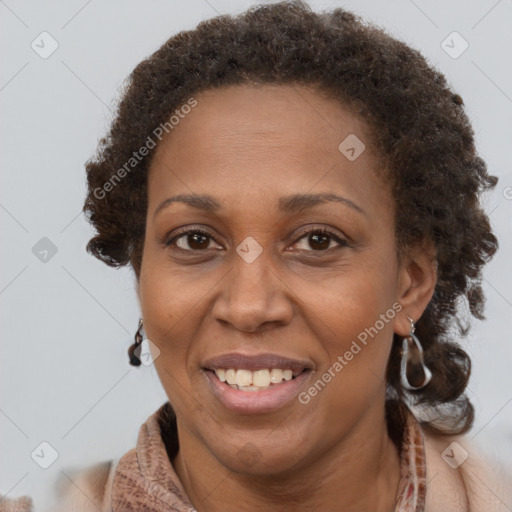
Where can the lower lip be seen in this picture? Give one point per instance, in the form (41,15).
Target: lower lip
(256,402)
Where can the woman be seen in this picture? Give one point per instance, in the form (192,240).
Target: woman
(298,195)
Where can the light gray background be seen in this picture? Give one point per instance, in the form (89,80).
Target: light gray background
(67,323)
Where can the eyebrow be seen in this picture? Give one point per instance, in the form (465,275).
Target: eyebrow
(289,204)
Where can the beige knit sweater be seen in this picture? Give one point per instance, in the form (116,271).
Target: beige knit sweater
(143,479)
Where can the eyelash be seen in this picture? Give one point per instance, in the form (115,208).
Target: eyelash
(316,230)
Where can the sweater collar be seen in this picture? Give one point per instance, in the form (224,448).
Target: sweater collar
(145,478)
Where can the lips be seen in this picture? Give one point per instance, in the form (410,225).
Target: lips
(264,400)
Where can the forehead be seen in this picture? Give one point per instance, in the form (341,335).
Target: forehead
(262,142)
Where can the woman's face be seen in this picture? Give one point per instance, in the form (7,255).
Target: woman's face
(264,279)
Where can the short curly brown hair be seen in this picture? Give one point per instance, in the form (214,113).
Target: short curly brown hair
(418,127)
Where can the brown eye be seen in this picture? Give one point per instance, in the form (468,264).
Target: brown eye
(196,241)
(191,240)
(320,239)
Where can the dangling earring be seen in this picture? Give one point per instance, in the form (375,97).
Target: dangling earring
(413,372)
(134,358)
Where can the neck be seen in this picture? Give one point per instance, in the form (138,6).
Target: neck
(360,472)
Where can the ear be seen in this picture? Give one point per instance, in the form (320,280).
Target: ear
(417,277)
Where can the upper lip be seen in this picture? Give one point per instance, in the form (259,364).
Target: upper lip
(241,361)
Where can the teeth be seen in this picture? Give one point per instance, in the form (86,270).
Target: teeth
(287,375)
(230,376)
(244,377)
(249,388)
(276,376)
(248,380)
(261,378)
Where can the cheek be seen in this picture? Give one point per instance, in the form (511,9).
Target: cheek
(174,305)
(356,314)
(165,305)
(167,296)
(354,299)
(164,308)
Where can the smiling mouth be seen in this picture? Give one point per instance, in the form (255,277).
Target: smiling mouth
(258,380)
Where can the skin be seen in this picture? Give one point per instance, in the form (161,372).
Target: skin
(302,297)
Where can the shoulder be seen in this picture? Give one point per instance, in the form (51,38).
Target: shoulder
(460,478)
(86,489)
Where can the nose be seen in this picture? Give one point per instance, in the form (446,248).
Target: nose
(253,297)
